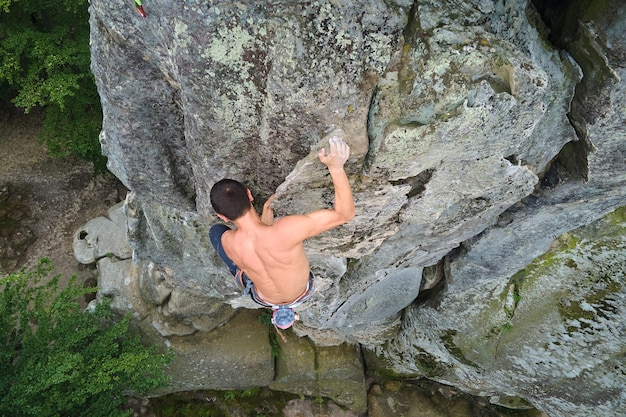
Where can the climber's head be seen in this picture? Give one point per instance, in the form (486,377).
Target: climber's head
(230,199)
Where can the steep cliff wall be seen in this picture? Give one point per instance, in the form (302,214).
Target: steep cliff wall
(475,144)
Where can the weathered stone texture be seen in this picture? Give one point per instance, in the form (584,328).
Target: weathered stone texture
(557,325)
(475,143)
(99,237)
(335,372)
(236,356)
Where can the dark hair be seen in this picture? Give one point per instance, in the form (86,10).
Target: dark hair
(230,198)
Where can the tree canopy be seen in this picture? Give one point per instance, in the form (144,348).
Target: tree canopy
(58,360)
(45,61)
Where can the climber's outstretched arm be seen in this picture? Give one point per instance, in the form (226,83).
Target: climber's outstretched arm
(302,227)
(335,160)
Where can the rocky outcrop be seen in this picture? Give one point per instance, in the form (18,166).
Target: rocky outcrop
(476,143)
(557,325)
(215,347)
(100,237)
(334,372)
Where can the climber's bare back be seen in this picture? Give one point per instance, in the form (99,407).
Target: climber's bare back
(271,253)
(278,267)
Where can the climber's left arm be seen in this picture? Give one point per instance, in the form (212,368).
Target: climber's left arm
(267,215)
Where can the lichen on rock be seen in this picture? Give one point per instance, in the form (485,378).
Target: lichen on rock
(475,143)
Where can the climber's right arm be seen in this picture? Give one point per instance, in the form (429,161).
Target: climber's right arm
(335,160)
(301,227)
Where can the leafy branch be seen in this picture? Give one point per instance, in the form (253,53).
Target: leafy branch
(57,359)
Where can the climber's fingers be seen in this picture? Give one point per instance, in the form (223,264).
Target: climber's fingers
(339,152)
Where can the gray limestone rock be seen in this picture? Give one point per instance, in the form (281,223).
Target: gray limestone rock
(118,281)
(232,357)
(102,237)
(335,372)
(394,399)
(558,321)
(437,156)
(475,143)
(154,284)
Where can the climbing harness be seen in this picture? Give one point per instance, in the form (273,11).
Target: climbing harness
(283,315)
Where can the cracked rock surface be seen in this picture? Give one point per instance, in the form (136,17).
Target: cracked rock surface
(475,144)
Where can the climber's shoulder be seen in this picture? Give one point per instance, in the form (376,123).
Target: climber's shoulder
(304,226)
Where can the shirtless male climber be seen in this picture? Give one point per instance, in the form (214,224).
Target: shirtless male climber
(267,258)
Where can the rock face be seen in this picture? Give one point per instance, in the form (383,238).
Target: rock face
(557,324)
(335,372)
(475,143)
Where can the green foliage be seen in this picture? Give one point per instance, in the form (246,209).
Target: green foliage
(506,328)
(57,360)
(251,392)
(45,61)
(44,49)
(75,129)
